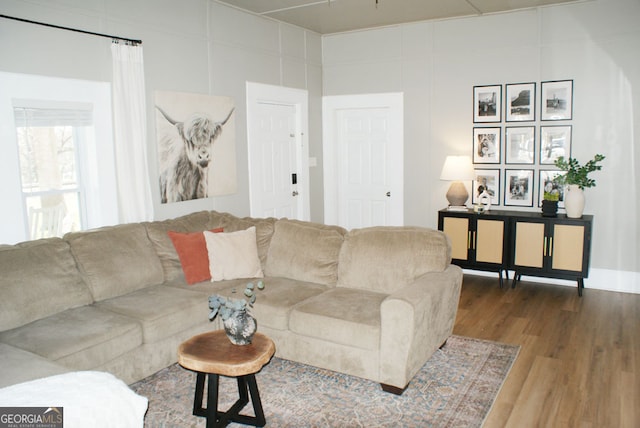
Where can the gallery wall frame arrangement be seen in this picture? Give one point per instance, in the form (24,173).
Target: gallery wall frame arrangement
(555,141)
(487,180)
(525,139)
(487,104)
(486,145)
(518,187)
(520,102)
(520,144)
(547,185)
(557,100)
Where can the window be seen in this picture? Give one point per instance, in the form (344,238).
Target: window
(49,144)
(57,161)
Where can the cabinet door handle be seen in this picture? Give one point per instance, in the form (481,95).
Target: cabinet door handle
(551,246)
(474,239)
(468,240)
(544,247)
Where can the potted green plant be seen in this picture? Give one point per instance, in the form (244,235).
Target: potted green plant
(239,324)
(550,200)
(576,179)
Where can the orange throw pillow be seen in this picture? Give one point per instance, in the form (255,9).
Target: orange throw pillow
(193,255)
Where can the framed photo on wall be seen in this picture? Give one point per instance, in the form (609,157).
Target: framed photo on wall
(486,145)
(518,187)
(557,100)
(486,180)
(487,104)
(555,141)
(520,102)
(519,144)
(547,185)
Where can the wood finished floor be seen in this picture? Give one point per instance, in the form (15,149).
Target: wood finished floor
(579,362)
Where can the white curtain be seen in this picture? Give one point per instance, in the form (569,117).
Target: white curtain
(130,125)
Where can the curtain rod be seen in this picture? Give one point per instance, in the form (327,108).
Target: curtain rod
(132,41)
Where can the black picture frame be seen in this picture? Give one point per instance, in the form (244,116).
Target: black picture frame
(555,141)
(489,179)
(546,179)
(518,187)
(556,101)
(487,104)
(486,145)
(520,145)
(520,102)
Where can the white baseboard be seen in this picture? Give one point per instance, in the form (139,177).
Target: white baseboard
(599,279)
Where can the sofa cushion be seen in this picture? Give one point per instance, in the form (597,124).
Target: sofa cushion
(116,260)
(162,311)
(233,255)
(264,229)
(157,232)
(207,288)
(305,251)
(19,366)
(342,315)
(275,302)
(192,252)
(39,278)
(80,338)
(386,258)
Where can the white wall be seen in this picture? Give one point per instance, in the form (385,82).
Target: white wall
(197,46)
(437,63)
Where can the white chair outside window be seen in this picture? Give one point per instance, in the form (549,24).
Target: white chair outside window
(47,222)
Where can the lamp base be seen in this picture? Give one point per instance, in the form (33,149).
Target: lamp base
(458,208)
(457,194)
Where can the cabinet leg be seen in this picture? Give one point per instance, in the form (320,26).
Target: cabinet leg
(500,276)
(580,286)
(516,277)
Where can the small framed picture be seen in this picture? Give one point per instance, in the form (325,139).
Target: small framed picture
(519,144)
(486,180)
(486,145)
(548,186)
(520,102)
(555,141)
(557,100)
(487,103)
(518,187)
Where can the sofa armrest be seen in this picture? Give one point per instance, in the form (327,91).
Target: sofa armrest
(415,322)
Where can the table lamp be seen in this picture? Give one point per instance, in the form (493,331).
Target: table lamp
(457,169)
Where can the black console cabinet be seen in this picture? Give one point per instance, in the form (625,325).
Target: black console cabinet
(478,241)
(525,242)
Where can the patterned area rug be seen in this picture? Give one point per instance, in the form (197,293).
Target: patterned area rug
(455,388)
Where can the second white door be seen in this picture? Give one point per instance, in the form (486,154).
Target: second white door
(363,143)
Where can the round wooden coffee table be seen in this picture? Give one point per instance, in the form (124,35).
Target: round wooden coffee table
(212,355)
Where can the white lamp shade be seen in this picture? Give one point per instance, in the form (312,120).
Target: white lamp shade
(457,168)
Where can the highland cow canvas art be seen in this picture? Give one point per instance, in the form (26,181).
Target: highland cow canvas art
(196,146)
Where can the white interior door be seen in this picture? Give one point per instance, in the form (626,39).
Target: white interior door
(278,151)
(363,158)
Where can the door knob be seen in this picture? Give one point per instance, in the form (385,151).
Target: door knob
(388,194)
(294,193)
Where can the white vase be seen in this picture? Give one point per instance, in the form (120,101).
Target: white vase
(574,201)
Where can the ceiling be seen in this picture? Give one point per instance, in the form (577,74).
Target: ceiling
(334,16)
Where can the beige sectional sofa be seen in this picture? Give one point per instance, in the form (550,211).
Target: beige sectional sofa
(374,302)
